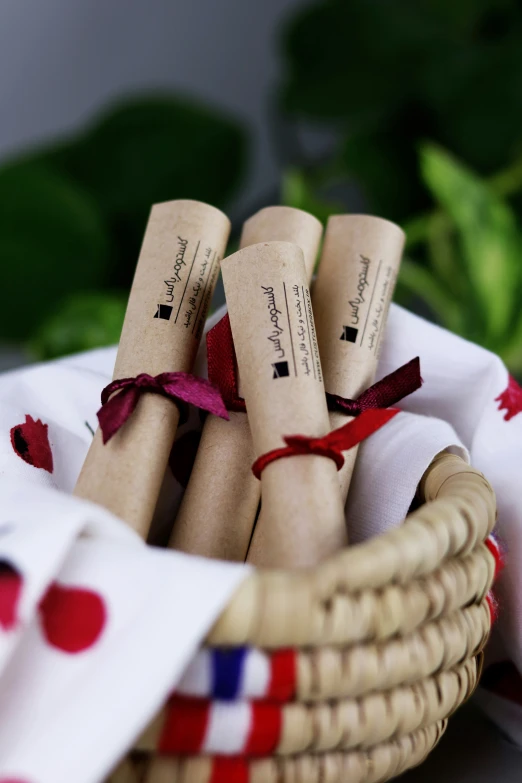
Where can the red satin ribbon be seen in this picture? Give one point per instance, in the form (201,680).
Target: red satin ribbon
(222,372)
(369,407)
(222,364)
(180,387)
(331,445)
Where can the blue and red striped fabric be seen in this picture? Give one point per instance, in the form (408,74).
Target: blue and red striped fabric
(241,673)
(194,726)
(229,771)
(227,672)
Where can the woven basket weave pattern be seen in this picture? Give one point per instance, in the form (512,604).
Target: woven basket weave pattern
(388,638)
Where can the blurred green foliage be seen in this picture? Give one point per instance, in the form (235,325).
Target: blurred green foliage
(472,280)
(72,215)
(297,191)
(387,75)
(425,101)
(463,260)
(80,322)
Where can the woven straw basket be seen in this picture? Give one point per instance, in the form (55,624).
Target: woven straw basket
(387,639)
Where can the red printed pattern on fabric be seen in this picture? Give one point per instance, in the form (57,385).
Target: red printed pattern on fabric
(31,442)
(72,618)
(510,400)
(10,590)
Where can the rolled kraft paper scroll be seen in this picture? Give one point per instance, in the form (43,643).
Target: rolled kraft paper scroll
(281,379)
(218,510)
(352,293)
(173,284)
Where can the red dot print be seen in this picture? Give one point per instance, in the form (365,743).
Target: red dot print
(10,591)
(72,618)
(31,442)
(510,400)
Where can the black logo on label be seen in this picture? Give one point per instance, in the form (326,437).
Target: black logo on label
(349,334)
(280,370)
(164,312)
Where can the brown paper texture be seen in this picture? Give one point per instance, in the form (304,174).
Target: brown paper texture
(278,357)
(351,297)
(172,288)
(220,503)
(285,224)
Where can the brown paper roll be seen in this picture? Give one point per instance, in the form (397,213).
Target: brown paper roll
(278,358)
(285,224)
(173,285)
(351,296)
(217,513)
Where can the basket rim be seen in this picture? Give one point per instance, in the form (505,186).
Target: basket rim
(279,608)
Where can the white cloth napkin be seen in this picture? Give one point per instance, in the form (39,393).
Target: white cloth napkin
(72,699)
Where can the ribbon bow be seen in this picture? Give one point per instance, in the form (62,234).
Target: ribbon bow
(372,407)
(180,387)
(222,371)
(331,445)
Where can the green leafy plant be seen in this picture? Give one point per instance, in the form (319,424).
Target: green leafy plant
(464,258)
(81,322)
(387,74)
(72,214)
(297,191)
(472,281)
(53,241)
(384,76)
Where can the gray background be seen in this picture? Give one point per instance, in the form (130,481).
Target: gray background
(61,60)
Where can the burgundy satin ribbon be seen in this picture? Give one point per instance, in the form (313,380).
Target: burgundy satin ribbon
(222,372)
(180,387)
(383,394)
(372,407)
(222,364)
(331,445)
